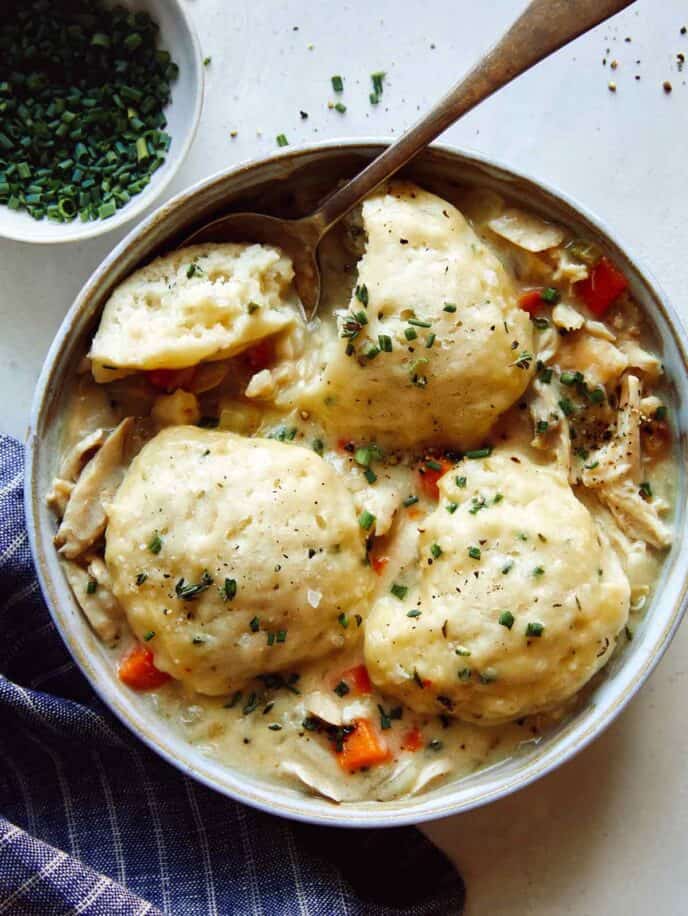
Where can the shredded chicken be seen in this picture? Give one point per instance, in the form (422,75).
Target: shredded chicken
(91,589)
(566,317)
(85,515)
(77,456)
(614,471)
(556,437)
(58,496)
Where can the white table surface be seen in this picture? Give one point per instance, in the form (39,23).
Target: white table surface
(606,834)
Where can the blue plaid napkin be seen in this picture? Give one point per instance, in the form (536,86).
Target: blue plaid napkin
(94,823)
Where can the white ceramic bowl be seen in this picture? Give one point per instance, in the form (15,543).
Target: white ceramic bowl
(178,36)
(273,184)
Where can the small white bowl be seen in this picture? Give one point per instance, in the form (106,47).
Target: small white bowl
(178,36)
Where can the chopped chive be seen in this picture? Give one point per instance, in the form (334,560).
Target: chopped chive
(366,520)
(506,619)
(660,413)
(252,308)
(436,551)
(479,452)
(370,475)
(229,589)
(508,566)
(340,107)
(399,591)
(645,489)
(275,727)
(91,587)
(377,80)
(418,323)
(449,307)
(474,553)
(410,334)
(460,482)
(550,295)
(433,465)
(343,620)
(414,613)
(567,407)
(318,446)
(545,376)
(410,501)
(363,456)
(155,543)
(535,629)
(362,294)
(141,578)
(148,636)
(539,571)
(207,61)
(385,342)
(254,624)
(337,84)
(571,378)
(463,651)
(281,636)
(464,674)
(541,426)
(430,340)
(282,140)
(451,508)
(342,689)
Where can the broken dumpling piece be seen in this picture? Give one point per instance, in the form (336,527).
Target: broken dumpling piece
(219,580)
(434,346)
(519,607)
(198,304)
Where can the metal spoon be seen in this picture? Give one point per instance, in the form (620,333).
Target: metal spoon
(544,27)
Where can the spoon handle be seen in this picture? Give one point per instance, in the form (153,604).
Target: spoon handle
(543,28)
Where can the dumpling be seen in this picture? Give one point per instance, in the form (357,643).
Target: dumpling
(205,302)
(517,603)
(235,557)
(434,347)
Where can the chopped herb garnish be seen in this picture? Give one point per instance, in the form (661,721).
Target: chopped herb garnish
(370,475)
(337,84)
(229,589)
(508,566)
(660,413)
(539,571)
(464,674)
(460,482)
(545,376)
(410,333)
(477,504)
(645,489)
(451,508)
(429,341)
(385,342)
(414,613)
(410,501)
(91,587)
(506,619)
(148,636)
(571,378)
(463,651)
(340,107)
(436,551)
(480,452)
(318,446)
(366,520)
(449,307)
(282,140)
(550,295)
(141,578)
(524,360)
(188,592)
(433,465)
(197,641)
(419,323)
(270,639)
(275,727)
(251,704)
(155,543)
(596,395)
(541,427)
(281,636)
(207,61)
(342,689)
(535,629)
(377,79)
(235,699)
(474,553)
(252,307)
(399,591)
(343,620)
(194,270)
(254,624)
(567,407)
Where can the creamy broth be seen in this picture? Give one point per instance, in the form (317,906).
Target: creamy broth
(289,724)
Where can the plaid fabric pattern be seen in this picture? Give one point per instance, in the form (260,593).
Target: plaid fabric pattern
(94,823)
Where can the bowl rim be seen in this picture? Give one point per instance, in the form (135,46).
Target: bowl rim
(82,232)
(266,797)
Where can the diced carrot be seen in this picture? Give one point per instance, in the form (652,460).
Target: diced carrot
(358,679)
(602,287)
(363,747)
(378,563)
(170,379)
(531,301)
(428,476)
(137,670)
(261,356)
(412,740)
